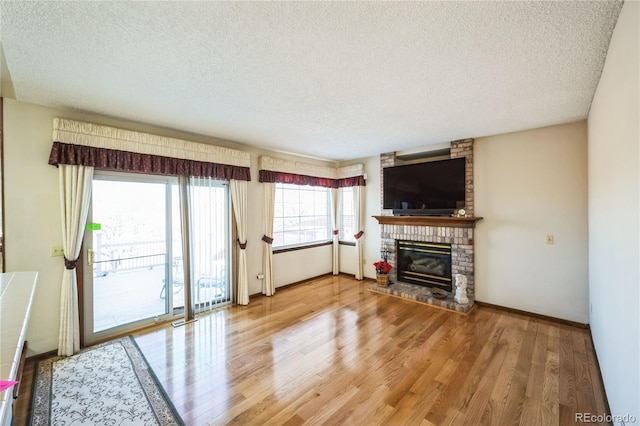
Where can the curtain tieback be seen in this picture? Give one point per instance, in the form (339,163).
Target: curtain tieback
(70,264)
(358,235)
(335,232)
(242,245)
(267,240)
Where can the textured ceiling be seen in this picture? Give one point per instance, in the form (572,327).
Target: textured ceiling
(334,80)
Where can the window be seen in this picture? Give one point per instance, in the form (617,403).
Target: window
(301,215)
(346,215)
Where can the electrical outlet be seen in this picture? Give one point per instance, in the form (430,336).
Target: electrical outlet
(260,276)
(56,251)
(550,239)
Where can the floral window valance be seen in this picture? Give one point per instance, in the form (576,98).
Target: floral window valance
(108,148)
(277,170)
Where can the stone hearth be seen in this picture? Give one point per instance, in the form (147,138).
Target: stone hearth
(461,240)
(421,294)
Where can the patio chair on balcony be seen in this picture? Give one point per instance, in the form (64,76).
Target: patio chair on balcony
(178,278)
(177,286)
(216,286)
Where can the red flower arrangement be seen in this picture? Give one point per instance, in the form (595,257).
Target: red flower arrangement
(382,267)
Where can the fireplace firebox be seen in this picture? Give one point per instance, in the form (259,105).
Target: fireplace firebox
(425,264)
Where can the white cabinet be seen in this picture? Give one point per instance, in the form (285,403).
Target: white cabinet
(16,296)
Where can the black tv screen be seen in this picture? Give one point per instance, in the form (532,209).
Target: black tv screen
(434,187)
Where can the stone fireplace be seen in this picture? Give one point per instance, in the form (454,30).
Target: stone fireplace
(449,237)
(456,232)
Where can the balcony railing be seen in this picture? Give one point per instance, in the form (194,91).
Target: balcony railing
(128,256)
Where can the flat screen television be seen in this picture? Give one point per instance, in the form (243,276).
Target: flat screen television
(432,188)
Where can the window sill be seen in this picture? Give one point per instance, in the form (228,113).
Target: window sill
(301,247)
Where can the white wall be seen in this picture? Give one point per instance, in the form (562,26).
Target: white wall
(32,217)
(294,266)
(529,185)
(614,213)
(348,260)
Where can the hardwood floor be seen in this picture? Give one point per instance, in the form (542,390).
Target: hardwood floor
(330,352)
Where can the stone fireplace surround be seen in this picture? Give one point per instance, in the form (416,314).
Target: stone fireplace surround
(447,230)
(461,240)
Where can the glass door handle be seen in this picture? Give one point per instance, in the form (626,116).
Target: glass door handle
(91,256)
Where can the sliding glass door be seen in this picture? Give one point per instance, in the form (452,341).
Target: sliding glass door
(209,202)
(134,269)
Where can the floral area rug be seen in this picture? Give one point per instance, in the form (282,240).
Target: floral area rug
(107,384)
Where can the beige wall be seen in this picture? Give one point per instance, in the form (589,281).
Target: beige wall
(614,215)
(33,219)
(529,185)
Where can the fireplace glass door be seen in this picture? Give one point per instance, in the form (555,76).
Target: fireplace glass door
(425,264)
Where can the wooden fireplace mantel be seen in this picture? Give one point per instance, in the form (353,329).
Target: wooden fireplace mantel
(444,221)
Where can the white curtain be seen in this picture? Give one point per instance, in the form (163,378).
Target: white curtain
(75,196)
(358,223)
(268,285)
(334,230)
(239,201)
